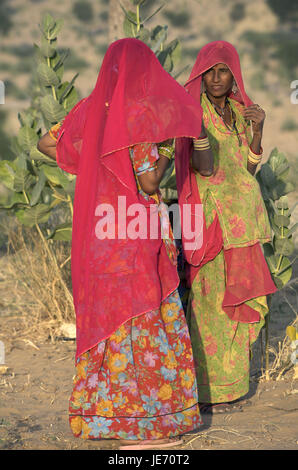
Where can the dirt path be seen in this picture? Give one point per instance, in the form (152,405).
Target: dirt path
(35,389)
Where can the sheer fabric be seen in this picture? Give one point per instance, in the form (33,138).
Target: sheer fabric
(134,101)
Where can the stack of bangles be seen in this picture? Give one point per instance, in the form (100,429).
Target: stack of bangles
(202,143)
(254,158)
(166,151)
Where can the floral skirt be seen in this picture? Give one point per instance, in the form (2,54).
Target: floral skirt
(139,383)
(221,347)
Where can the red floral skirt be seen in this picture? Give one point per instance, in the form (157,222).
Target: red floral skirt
(140,383)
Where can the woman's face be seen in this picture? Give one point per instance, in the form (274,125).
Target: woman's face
(218,80)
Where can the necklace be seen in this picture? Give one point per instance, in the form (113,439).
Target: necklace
(221,111)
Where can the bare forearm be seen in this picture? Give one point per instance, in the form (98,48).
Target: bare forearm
(203,162)
(256,143)
(150,181)
(251,168)
(47,145)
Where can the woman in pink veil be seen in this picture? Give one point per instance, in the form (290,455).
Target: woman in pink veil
(135,378)
(227,272)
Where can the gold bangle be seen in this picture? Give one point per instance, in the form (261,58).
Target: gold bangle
(201,144)
(166,152)
(254,158)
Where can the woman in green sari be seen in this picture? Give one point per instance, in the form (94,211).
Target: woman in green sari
(228,274)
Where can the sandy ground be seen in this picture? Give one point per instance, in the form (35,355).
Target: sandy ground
(35,389)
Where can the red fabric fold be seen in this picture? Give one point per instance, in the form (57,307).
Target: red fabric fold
(188,192)
(247,277)
(134,101)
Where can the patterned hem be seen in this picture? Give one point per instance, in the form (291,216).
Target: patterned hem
(136,428)
(223,393)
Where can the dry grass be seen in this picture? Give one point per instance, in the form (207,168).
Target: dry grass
(281,350)
(36,282)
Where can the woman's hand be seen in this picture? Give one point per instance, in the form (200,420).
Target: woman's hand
(256,115)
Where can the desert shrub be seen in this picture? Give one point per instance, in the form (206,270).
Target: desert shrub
(281,46)
(286,10)
(5,17)
(237,12)
(83,11)
(289,124)
(179,19)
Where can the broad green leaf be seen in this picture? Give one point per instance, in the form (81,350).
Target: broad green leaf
(70,189)
(159,31)
(70,100)
(285,273)
(159,39)
(46,48)
(62,232)
(56,30)
(276,159)
(47,76)
(58,60)
(46,195)
(281,220)
(23,180)
(34,215)
(55,175)
(164,58)
(144,35)
(25,119)
(37,189)
(267,175)
(13,199)
(280,189)
(63,90)
(284,246)
(129,28)
(175,48)
(38,54)
(52,110)
(15,146)
(48,22)
(27,138)
(7,173)
(283,203)
(272,261)
(21,161)
(35,154)
(66,88)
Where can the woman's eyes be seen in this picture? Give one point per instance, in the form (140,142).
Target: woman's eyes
(219,70)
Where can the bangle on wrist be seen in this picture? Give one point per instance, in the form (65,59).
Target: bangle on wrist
(166,151)
(254,158)
(202,143)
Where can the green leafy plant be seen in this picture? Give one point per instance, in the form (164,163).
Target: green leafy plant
(275,184)
(134,25)
(83,10)
(35,185)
